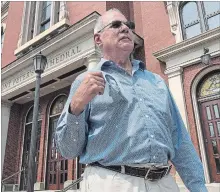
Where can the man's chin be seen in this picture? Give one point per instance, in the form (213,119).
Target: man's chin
(129,48)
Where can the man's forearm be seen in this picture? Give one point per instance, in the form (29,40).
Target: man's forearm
(70,134)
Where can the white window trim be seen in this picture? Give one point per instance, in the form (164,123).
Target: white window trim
(23,44)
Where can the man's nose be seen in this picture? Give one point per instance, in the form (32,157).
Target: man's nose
(124,28)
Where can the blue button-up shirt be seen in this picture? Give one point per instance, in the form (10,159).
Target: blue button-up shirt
(135,121)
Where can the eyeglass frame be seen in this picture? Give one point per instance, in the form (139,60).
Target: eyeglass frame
(122,22)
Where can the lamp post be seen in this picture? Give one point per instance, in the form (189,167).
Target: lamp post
(39,66)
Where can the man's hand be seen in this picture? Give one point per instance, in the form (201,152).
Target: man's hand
(93,84)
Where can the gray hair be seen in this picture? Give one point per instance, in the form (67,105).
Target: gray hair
(99,23)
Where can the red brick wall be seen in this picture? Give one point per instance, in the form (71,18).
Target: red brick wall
(153,25)
(79,10)
(189,75)
(123,6)
(12,31)
(11,160)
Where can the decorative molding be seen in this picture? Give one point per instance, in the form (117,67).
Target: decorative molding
(175,25)
(64,14)
(209,98)
(172,72)
(197,117)
(188,44)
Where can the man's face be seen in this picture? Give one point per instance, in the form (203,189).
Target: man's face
(116,39)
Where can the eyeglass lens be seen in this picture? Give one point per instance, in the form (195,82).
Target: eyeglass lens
(117,24)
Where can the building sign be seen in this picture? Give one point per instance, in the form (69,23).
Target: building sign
(56,59)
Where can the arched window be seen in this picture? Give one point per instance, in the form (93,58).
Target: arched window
(198,17)
(210,86)
(26,146)
(57,166)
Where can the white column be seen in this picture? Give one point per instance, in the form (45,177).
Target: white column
(5,108)
(176,88)
(92,61)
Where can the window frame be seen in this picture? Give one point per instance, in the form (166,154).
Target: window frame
(203,19)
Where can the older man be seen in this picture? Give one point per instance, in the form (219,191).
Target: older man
(122,121)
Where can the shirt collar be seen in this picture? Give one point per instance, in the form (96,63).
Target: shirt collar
(135,63)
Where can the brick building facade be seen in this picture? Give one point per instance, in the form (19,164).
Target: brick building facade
(63,31)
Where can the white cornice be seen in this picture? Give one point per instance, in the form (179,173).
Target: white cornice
(188,44)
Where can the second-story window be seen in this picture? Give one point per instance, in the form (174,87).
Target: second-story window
(45,16)
(198,17)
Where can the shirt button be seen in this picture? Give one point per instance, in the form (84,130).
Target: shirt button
(140,99)
(74,139)
(77,122)
(152,136)
(146,116)
(154,157)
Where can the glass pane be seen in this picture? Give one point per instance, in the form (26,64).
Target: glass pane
(193,31)
(45,27)
(66,164)
(211,7)
(211,129)
(50,178)
(65,179)
(55,166)
(218,126)
(214,146)
(210,86)
(58,106)
(46,13)
(214,22)
(189,13)
(54,179)
(216,111)
(61,178)
(217,162)
(61,165)
(51,166)
(46,3)
(208,113)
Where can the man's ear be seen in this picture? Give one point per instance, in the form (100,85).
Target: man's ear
(97,39)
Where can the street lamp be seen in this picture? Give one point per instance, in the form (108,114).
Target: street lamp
(206,58)
(39,66)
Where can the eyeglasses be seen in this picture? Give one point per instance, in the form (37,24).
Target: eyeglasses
(116,24)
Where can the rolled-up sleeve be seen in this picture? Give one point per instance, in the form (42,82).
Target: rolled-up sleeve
(71,130)
(186,159)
